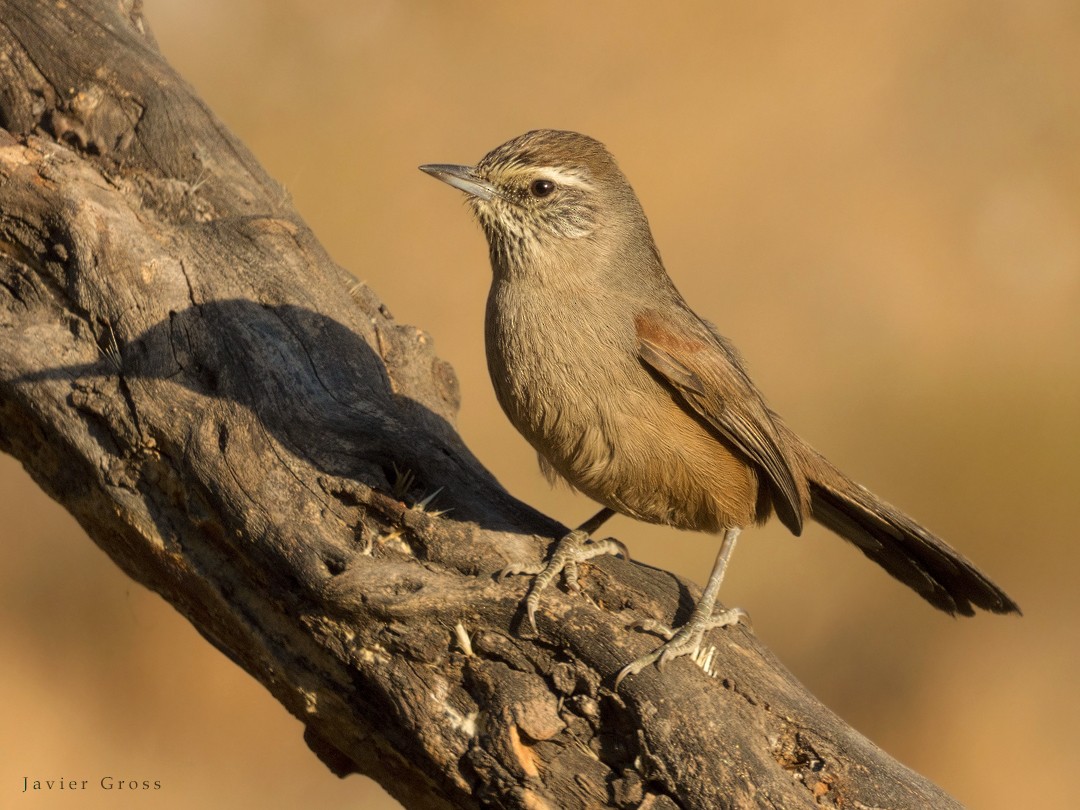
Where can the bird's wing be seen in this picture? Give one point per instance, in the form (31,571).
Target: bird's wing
(705,375)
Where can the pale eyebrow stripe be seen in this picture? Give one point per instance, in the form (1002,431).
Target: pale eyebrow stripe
(562,177)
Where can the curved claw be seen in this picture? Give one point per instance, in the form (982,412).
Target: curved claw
(622,550)
(517,568)
(735,615)
(634,667)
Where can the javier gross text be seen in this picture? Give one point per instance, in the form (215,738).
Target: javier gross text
(104,783)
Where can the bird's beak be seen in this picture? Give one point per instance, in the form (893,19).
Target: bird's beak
(461,177)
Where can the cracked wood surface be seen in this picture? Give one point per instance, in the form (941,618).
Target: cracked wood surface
(248,433)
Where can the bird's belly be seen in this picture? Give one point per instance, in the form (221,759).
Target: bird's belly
(640,454)
(666,468)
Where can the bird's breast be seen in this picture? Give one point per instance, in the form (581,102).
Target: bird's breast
(568,378)
(546,356)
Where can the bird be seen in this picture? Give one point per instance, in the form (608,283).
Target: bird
(642,405)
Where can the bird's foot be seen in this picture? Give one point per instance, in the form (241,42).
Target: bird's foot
(684,641)
(575,547)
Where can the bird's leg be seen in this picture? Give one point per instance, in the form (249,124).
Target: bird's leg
(573,548)
(687,639)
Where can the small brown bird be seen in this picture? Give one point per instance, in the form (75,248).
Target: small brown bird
(640,404)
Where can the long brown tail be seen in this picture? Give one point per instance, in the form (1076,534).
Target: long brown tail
(928,565)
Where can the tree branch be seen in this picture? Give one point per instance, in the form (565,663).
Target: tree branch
(185,369)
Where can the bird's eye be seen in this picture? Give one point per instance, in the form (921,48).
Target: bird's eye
(541,187)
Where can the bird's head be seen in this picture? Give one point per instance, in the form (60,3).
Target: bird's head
(547,194)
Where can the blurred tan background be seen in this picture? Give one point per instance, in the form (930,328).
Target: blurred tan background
(878,202)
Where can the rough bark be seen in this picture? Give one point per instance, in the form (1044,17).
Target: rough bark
(184,368)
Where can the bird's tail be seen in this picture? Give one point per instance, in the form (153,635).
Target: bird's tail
(928,565)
